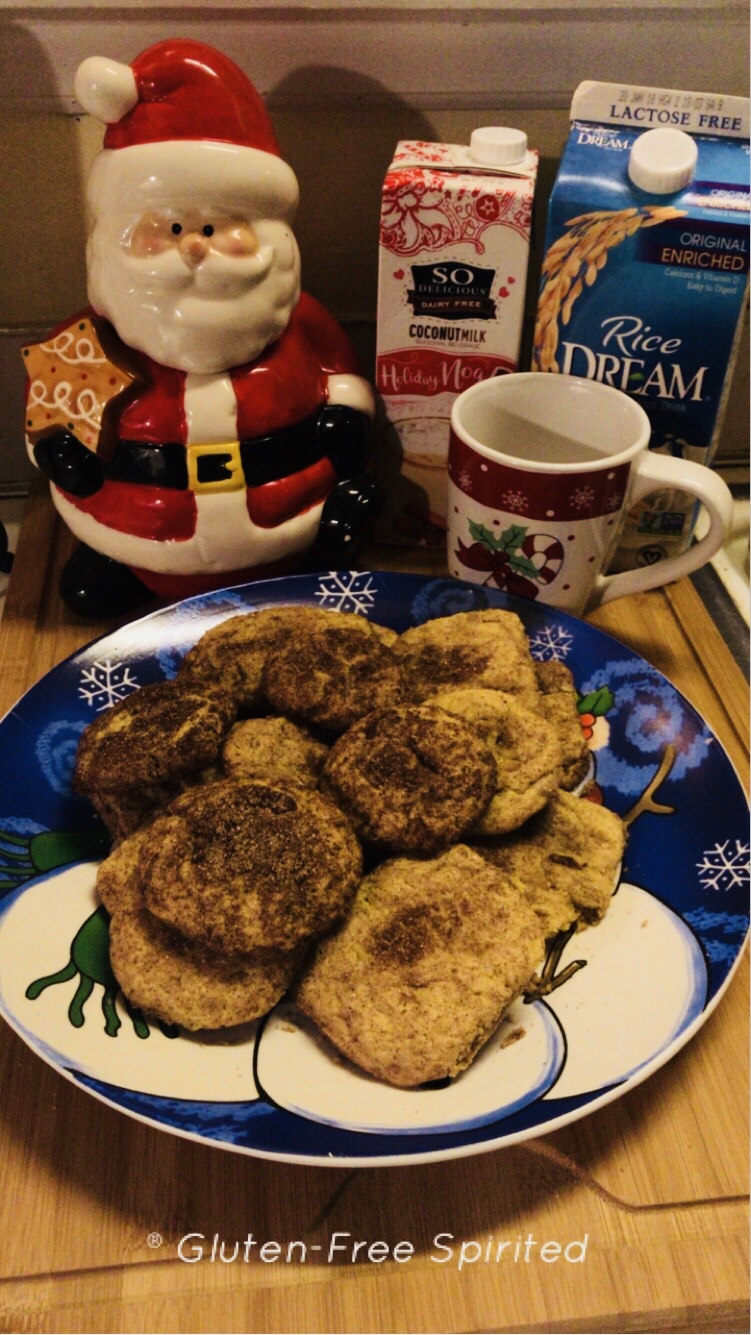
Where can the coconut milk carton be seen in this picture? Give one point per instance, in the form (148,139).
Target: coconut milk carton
(646,270)
(454,248)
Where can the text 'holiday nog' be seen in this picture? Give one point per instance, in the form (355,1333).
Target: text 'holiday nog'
(454,251)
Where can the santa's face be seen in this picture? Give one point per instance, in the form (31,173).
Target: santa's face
(200,290)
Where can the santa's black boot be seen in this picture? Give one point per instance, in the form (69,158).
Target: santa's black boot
(345,521)
(96,586)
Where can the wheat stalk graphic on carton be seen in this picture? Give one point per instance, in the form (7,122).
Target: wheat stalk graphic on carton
(574,261)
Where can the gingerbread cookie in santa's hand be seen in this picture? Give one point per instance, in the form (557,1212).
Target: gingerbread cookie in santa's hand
(204,422)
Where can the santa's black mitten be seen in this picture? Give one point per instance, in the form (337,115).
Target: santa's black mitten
(345,437)
(68,463)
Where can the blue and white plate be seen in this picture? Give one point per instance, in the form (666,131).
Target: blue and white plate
(647,977)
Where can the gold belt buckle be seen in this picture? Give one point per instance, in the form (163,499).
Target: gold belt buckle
(230,473)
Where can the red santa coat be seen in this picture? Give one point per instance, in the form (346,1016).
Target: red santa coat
(183,540)
(285,385)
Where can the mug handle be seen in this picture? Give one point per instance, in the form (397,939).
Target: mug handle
(653,472)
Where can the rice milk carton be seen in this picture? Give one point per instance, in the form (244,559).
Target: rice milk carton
(645,272)
(454,248)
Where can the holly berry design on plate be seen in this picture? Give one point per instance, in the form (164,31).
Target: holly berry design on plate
(593,706)
(516,560)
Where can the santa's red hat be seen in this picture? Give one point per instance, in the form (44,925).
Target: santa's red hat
(183,117)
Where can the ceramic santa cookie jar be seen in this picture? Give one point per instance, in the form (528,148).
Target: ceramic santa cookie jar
(204,422)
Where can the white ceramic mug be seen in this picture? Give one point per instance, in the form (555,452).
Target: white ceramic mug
(542,472)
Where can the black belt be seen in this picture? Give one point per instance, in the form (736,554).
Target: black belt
(219,467)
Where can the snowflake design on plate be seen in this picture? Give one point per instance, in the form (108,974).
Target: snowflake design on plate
(724,866)
(551,643)
(515,502)
(350,591)
(582,498)
(104,684)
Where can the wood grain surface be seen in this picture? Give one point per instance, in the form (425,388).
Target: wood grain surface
(94,1204)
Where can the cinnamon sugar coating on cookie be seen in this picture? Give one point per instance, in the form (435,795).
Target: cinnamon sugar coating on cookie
(332,676)
(419,976)
(232,654)
(242,865)
(137,755)
(526,751)
(483,649)
(411,778)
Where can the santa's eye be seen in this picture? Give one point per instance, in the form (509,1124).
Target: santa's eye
(208,230)
(176,229)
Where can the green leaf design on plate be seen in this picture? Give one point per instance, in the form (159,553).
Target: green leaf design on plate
(596,702)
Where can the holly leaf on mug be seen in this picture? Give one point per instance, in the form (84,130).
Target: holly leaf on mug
(509,541)
(513,537)
(482,534)
(522,565)
(508,545)
(511,545)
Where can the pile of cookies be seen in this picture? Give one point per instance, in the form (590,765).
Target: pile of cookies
(383,824)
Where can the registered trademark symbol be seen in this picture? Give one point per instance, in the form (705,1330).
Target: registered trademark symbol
(155,1239)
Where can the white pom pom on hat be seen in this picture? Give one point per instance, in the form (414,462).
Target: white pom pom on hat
(105,88)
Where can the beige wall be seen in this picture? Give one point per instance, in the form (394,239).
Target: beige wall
(344,79)
(339,155)
(339,158)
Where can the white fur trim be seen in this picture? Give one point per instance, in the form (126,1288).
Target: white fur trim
(179,174)
(210,409)
(105,88)
(225,539)
(351,390)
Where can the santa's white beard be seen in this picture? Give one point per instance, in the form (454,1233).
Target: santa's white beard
(204,319)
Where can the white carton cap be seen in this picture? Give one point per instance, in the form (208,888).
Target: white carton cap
(497,146)
(662,161)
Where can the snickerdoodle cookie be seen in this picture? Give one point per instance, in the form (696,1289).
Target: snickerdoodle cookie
(558,702)
(410,778)
(488,648)
(332,675)
(419,976)
(567,857)
(232,653)
(172,978)
(526,750)
(118,884)
(240,865)
(134,757)
(275,749)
